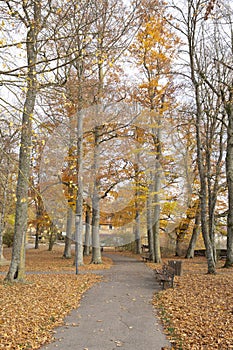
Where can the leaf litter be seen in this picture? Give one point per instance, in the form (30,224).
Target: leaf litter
(30,311)
(198,313)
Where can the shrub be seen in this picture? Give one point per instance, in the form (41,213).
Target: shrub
(8,237)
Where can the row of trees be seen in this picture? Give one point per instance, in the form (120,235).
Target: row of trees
(123,107)
(207,36)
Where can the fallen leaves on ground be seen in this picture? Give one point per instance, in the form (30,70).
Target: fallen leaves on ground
(198,312)
(30,311)
(44,260)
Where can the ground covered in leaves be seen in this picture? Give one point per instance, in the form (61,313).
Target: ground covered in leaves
(43,260)
(29,312)
(198,312)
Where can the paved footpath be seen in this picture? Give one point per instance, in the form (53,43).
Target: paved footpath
(116,313)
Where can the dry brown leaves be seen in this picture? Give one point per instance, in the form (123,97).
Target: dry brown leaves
(43,260)
(198,312)
(29,312)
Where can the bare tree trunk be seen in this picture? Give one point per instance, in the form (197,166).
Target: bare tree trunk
(39,214)
(157,189)
(181,230)
(2,215)
(229,174)
(192,23)
(17,266)
(136,228)
(156,225)
(52,238)
(68,239)
(1,243)
(156,240)
(96,250)
(37,236)
(203,189)
(79,201)
(212,203)
(149,225)
(195,234)
(87,231)
(2,259)
(180,234)
(137,233)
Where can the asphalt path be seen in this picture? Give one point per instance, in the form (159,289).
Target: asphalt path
(116,313)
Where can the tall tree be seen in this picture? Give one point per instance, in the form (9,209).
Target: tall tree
(82,21)
(32,20)
(153,51)
(8,166)
(209,115)
(221,85)
(112,33)
(29,74)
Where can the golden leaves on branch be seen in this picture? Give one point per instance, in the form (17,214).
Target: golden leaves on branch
(209,8)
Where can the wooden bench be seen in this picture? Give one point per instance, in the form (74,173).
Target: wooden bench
(145,247)
(145,257)
(165,276)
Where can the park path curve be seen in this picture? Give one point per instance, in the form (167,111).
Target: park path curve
(116,313)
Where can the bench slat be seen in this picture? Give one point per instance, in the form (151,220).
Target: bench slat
(145,257)
(166,276)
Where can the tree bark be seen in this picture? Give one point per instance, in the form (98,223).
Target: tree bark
(192,23)
(182,229)
(137,233)
(79,201)
(195,234)
(229,175)
(149,225)
(68,239)
(37,236)
(157,188)
(180,234)
(87,231)
(156,225)
(136,228)
(203,189)
(52,238)
(17,266)
(39,214)
(3,213)
(96,250)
